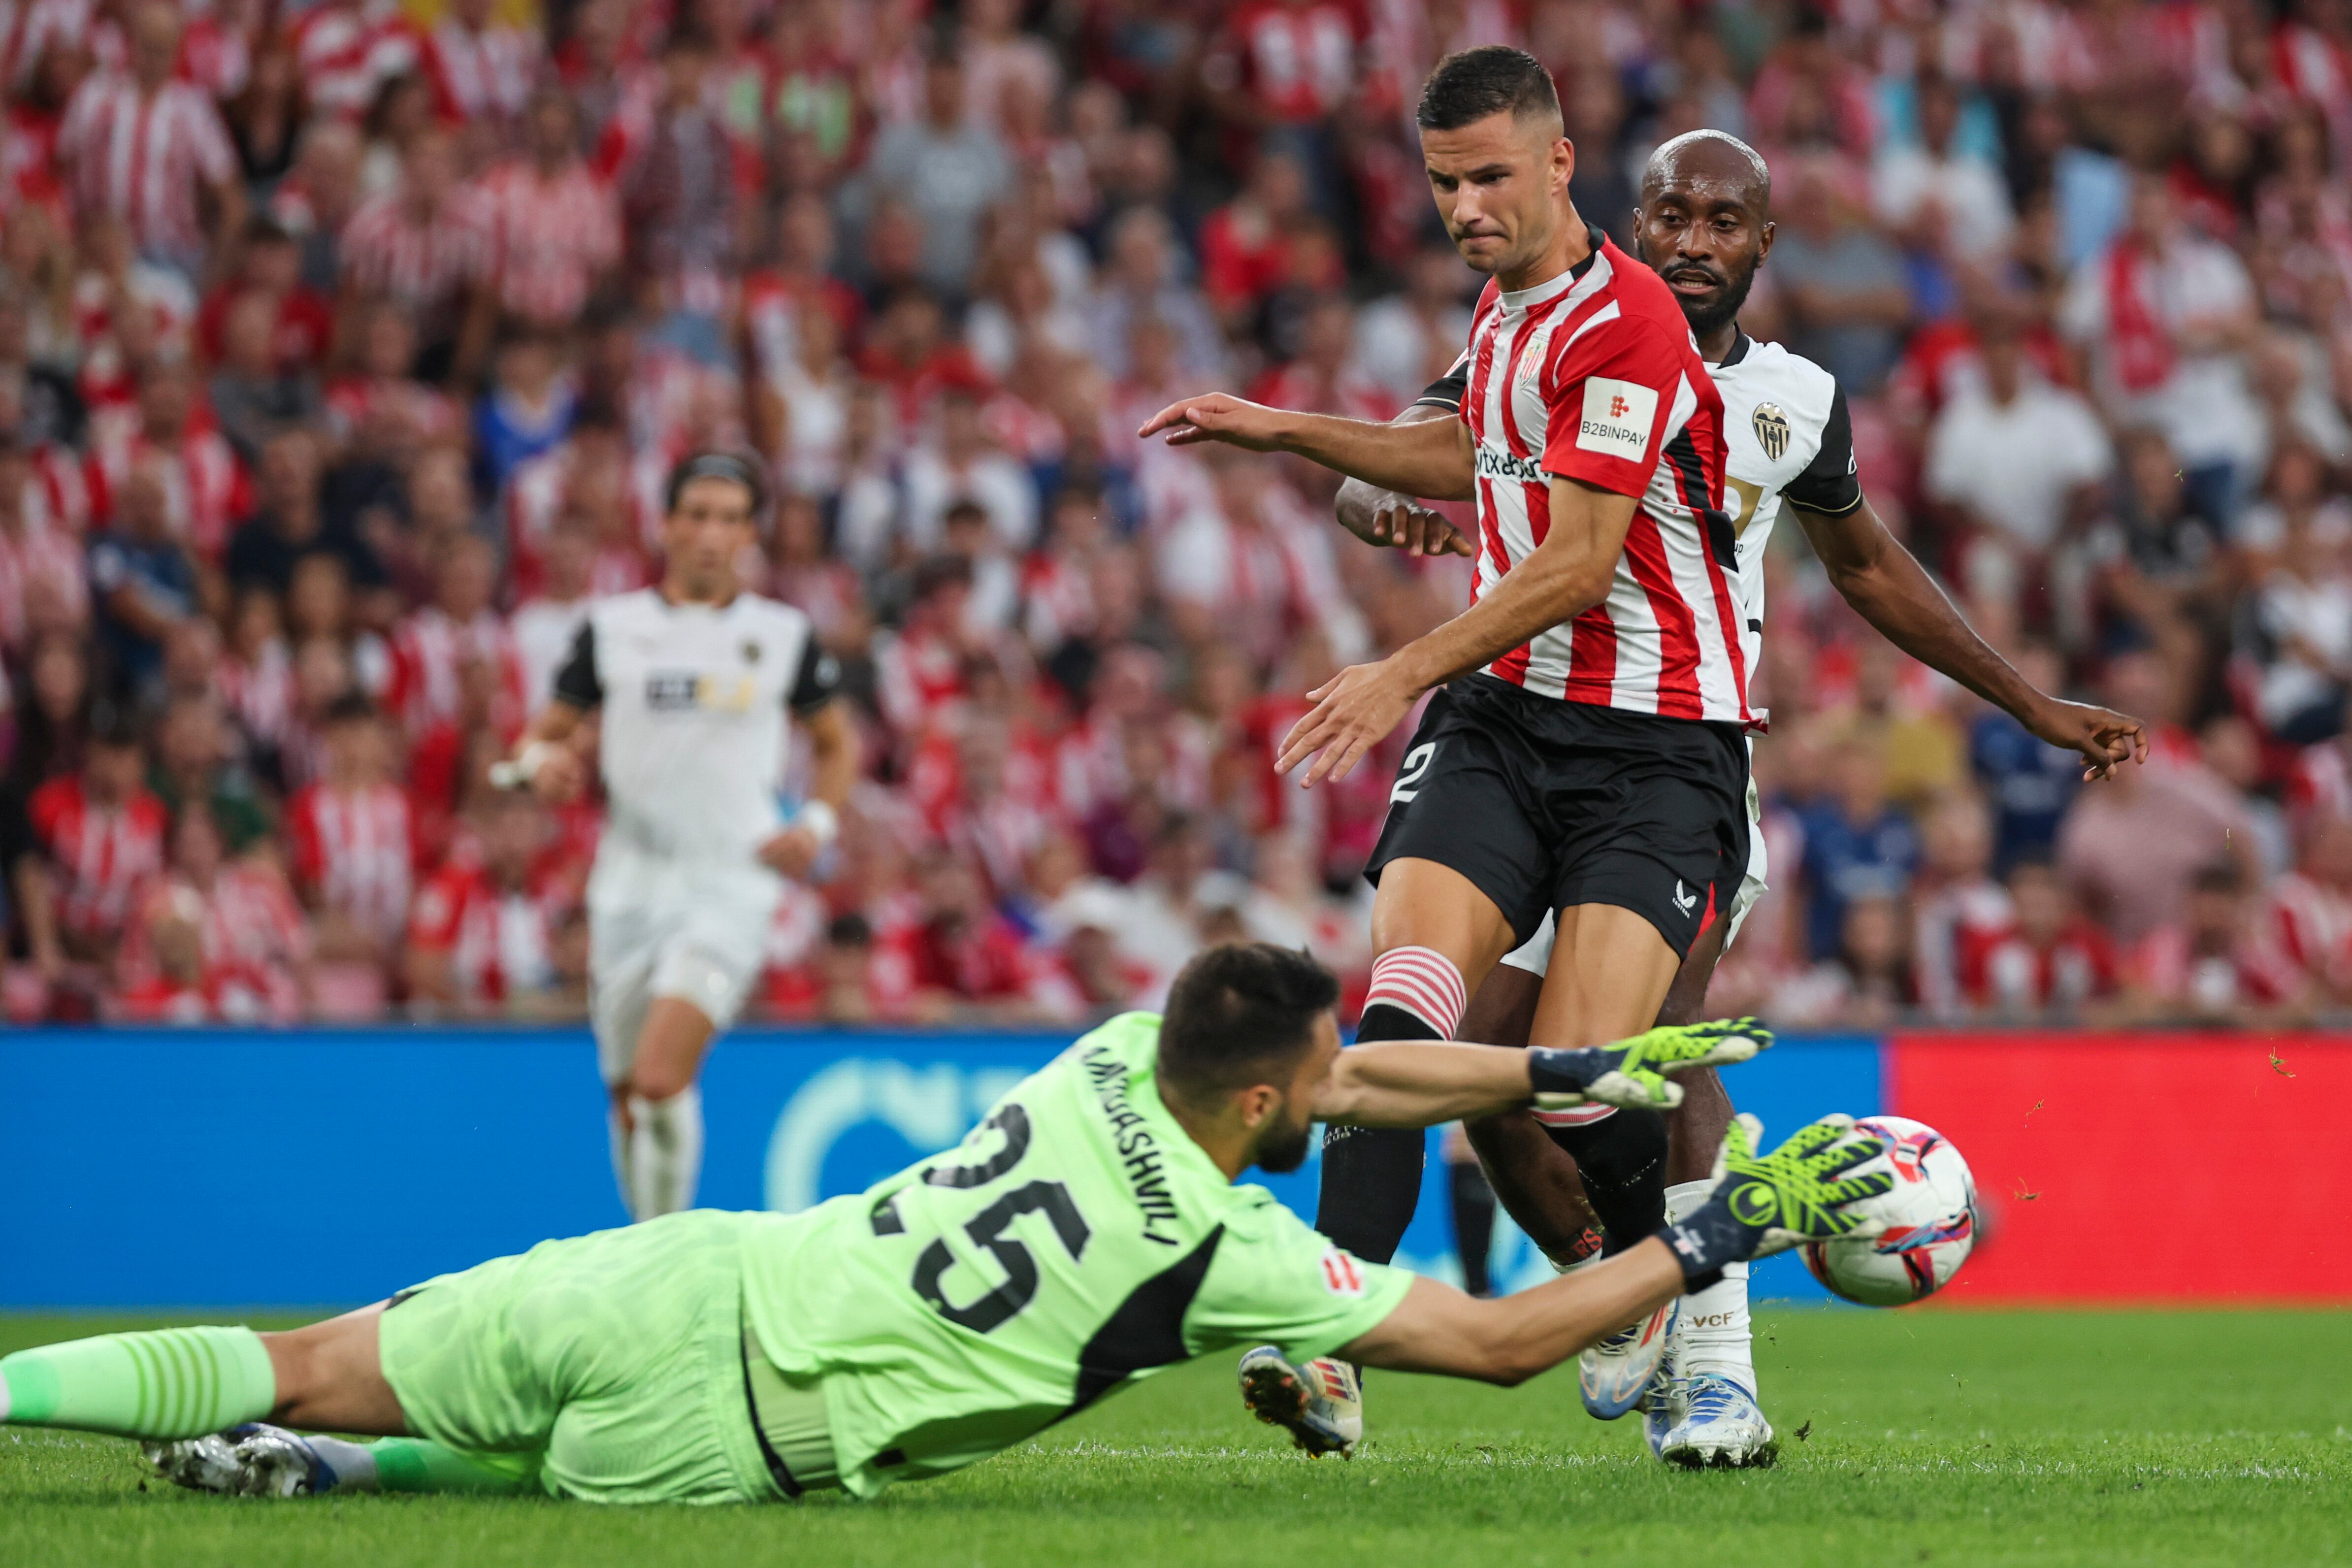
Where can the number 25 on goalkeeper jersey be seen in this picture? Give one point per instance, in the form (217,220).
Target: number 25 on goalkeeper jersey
(1078,1239)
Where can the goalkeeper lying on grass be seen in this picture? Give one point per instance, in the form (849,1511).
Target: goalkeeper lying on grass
(1086,1235)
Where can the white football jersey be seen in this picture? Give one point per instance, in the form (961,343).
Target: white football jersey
(1787,435)
(695,702)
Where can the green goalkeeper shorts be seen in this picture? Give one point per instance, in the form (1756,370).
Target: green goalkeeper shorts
(614,1359)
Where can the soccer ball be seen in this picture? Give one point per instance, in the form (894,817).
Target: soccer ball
(1931,1221)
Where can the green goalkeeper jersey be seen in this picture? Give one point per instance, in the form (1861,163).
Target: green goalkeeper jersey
(1077,1240)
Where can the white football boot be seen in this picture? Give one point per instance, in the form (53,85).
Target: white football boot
(1612,1373)
(1724,1427)
(251,1461)
(1321,1402)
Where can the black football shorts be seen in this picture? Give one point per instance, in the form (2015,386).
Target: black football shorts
(1545,805)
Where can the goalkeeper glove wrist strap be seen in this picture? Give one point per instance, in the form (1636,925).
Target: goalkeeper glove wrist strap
(1551,1070)
(1707,1239)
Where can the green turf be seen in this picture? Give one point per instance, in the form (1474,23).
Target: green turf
(1943,1437)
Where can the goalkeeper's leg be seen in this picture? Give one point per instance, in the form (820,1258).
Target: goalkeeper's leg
(183,1383)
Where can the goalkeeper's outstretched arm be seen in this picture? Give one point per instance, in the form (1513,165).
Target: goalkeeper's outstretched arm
(1512,1337)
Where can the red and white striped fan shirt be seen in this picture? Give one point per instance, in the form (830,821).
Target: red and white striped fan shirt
(497,940)
(550,237)
(105,854)
(1594,377)
(144,159)
(486,75)
(427,650)
(39,567)
(207,491)
(353,850)
(347,51)
(421,265)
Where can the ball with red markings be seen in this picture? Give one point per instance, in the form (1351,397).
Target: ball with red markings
(1930,1218)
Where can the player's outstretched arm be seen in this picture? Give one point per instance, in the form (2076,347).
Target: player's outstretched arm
(1388,520)
(1893,592)
(1429,457)
(547,758)
(1761,1205)
(1409,1083)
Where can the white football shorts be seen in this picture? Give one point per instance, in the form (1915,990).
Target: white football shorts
(661,926)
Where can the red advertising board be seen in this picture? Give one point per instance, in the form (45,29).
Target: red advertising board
(2158,1168)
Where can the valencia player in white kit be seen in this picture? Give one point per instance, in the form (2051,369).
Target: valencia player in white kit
(695,685)
(1705,227)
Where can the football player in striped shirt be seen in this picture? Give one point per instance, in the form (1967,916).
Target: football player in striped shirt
(1705,225)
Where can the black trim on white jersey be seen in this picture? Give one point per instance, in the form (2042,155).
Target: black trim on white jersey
(1741,344)
(577,684)
(1830,484)
(1448,390)
(818,678)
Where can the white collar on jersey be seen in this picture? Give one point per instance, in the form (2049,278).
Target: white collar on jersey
(1519,298)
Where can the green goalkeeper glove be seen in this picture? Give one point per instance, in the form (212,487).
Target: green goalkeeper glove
(1767,1203)
(1630,1073)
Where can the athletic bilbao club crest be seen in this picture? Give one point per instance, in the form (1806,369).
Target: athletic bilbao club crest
(1771,431)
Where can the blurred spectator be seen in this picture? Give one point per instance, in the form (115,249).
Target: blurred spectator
(141,576)
(2030,781)
(1857,845)
(2131,844)
(353,837)
(947,169)
(481,935)
(104,834)
(2212,967)
(1864,983)
(2049,961)
(555,228)
(1848,300)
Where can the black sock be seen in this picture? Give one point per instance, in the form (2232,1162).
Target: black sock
(1372,1176)
(1474,1223)
(1623,1160)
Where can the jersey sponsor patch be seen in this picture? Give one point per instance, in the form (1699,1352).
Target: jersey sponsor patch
(1341,1276)
(1618,416)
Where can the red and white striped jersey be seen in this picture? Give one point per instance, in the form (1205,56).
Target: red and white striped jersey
(427,651)
(422,265)
(260,695)
(353,852)
(1594,377)
(550,237)
(206,491)
(2309,924)
(104,854)
(252,934)
(143,159)
(499,940)
(347,51)
(486,75)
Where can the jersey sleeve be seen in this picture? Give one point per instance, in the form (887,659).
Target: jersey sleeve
(578,683)
(1830,484)
(816,680)
(1611,394)
(1448,390)
(1274,1280)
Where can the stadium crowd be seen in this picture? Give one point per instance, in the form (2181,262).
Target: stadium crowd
(343,347)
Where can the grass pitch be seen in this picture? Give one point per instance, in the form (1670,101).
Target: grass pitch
(1930,1437)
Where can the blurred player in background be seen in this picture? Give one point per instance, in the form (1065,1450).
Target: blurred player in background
(693,682)
(1704,227)
(1084,1237)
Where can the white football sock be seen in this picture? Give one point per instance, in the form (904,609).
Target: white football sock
(1714,1328)
(353,1463)
(624,1143)
(665,1152)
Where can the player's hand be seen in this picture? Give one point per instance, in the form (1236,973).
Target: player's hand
(1764,1203)
(1354,711)
(1388,520)
(1632,1073)
(2106,739)
(791,852)
(560,775)
(1218,417)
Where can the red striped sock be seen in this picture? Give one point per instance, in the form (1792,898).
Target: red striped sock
(1421,982)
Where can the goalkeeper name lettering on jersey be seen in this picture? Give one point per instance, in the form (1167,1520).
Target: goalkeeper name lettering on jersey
(1078,1239)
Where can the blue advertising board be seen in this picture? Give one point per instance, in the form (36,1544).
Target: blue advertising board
(225,1168)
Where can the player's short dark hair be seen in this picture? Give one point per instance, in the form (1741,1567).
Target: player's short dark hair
(714,465)
(1238,1010)
(350,708)
(1489,79)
